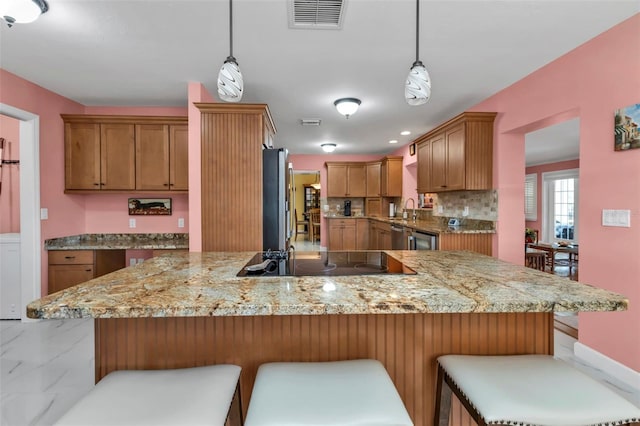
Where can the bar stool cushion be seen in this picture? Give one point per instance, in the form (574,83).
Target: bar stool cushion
(185,396)
(535,390)
(356,392)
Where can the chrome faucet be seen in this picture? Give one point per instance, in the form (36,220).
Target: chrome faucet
(413,203)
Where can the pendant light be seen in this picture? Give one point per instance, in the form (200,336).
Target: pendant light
(230,85)
(417,89)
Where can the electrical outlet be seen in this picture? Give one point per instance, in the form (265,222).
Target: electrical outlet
(440,209)
(132,261)
(140,261)
(44,214)
(132,223)
(465,212)
(13,308)
(181,222)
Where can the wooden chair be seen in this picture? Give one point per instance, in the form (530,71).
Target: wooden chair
(535,259)
(314,218)
(303,223)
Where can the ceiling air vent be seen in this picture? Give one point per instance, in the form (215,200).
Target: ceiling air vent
(316,14)
(310,122)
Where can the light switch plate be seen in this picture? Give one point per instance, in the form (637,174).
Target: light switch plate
(465,212)
(181,222)
(132,223)
(44,214)
(620,218)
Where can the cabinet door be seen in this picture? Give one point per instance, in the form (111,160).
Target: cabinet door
(438,162)
(349,237)
(455,158)
(362,234)
(117,157)
(152,157)
(82,156)
(392,177)
(65,276)
(373,207)
(373,179)
(385,240)
(335,237)
(336,180)
(357,181)
(373,235)
(424,167)
(178,157)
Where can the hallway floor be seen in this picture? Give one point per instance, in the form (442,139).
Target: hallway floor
(47,366)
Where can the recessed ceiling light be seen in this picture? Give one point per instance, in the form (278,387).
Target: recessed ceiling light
(328,147)
(405,132)
(393,141)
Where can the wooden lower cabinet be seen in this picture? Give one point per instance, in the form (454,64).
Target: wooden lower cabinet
(70,267)
(342,234)
(406,344)
(362,234)
(379,236)
(480,243)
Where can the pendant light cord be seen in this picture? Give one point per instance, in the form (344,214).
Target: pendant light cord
(417,28)
(231,28)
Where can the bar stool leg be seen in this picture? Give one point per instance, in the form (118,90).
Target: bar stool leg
(443,401)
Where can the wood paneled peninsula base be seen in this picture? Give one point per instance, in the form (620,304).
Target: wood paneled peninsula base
(190,309)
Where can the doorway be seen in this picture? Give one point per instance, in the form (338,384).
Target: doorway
(30,234)
(305,201)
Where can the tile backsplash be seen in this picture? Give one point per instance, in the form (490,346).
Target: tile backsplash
(483,205)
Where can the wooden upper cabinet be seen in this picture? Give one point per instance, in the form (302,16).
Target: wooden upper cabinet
(117,157)
(125,153)
(457,155)
(391,177)
(152,157)
(424,167)
(346,180)
(336,180)
(356,180)
(373,179)
(178,157)
(82,156)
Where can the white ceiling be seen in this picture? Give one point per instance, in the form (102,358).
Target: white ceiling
(559,142)
(143,53)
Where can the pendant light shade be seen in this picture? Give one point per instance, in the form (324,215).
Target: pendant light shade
(230,84)
(22,11)
(417,88)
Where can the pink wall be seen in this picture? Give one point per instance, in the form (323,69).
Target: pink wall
(66,212)
(589,82)
(316,162)
(196,93)
(545,168)
(409,173)
(10,178)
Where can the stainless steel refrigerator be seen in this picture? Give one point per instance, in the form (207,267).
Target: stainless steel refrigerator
(276,216)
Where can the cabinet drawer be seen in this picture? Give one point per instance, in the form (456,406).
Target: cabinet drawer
(65,276)
(71,257)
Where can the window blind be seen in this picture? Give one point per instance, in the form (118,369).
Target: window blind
(531,197)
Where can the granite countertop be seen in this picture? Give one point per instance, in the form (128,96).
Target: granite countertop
(432,225)
(205,284)
(118,242)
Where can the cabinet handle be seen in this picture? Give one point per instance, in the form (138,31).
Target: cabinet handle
(166,184)
(87,270)
(171,184)
(69,257)
(103,184)
(96,184)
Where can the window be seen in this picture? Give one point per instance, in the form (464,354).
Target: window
(561,217)
(531,197)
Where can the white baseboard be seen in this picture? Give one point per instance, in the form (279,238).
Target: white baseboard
(611,367)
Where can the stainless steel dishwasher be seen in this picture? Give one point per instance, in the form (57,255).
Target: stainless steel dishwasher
(419,240)
(398,238)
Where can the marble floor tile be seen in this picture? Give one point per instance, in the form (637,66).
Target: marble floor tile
(46,366)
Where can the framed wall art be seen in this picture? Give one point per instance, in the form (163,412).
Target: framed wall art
(412,149)
(150,206)
(626,134)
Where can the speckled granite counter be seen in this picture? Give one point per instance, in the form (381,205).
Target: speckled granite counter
(432,225)
(119,241)
(205,284)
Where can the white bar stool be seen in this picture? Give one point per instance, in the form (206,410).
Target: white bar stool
(186,396)
(528,390)
(354,393)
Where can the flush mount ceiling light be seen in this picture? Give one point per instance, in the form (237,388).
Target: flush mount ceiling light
(347,106)
(230,85)
(22,11)
(328,147)
(417,89)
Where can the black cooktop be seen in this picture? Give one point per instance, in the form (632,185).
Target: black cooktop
(325,263)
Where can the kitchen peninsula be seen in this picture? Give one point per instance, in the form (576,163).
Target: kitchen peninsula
(191,309)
